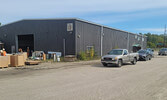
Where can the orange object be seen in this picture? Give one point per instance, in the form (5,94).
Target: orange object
(4,53)
(44,56)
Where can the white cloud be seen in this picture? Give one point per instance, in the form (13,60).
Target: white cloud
(152,30)
(21,9)
(76,6)
(123,17)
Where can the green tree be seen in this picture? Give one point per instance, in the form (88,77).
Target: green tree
(154,39)
(151,45)
(140,33)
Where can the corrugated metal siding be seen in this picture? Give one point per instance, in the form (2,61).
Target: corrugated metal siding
(113,39)
(89,36)
(144,42)
(48,34)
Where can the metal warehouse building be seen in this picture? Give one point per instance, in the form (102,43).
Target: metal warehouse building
(69,36)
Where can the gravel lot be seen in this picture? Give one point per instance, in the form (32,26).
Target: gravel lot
(86,81)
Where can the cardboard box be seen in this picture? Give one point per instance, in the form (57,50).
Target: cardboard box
(17,60)
(4,61)
(8,55)
(24,54)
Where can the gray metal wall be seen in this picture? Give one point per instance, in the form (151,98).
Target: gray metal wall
(89,34)
(114,39)
(137,39)
(48,34)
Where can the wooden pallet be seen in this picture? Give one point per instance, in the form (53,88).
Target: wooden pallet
(32,62)
(3,67)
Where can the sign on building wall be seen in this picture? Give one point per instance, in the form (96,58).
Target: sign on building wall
(69,26)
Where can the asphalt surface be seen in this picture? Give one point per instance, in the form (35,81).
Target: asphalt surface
(86,81)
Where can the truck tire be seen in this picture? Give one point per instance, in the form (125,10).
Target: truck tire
(119,63)
(104,64)
(150,57)
(134,61)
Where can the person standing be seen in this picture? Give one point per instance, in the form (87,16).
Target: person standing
(3,52)
(28,51)
(20,50)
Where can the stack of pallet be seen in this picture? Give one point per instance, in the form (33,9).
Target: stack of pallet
(13,60)
(32,62)
(70,58)
(16,60)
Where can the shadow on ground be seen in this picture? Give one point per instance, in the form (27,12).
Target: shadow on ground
(99,65)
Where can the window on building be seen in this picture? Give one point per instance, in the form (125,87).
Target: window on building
(69,26)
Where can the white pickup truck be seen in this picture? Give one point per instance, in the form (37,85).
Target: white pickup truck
(119,56)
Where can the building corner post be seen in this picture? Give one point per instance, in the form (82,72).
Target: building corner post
(101,41)
(128,42)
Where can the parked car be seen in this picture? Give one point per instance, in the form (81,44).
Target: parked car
(144,55)
(118,57)
(162,51)
(151,52)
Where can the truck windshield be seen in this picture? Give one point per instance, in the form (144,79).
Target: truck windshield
(115,52)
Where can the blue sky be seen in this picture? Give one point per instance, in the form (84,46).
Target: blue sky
(130,15)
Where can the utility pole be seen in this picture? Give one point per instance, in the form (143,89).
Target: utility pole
(165,36)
